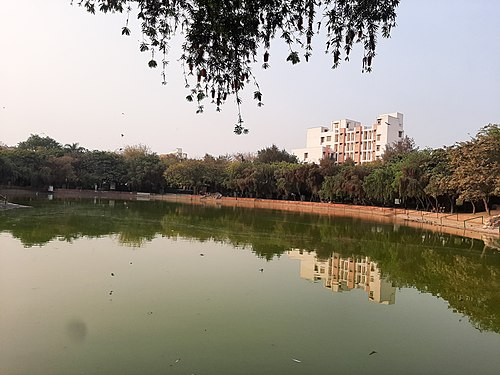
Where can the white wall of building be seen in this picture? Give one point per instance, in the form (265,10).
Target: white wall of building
(309,154)
(314,136)
(390,127)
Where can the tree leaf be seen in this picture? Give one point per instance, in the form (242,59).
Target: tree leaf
(293,57)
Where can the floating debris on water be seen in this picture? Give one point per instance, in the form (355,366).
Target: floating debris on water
(296,360)
(372,352)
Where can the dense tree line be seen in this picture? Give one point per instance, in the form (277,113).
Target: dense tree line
(438,179)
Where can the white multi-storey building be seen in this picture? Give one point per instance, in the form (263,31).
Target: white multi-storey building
(347,139)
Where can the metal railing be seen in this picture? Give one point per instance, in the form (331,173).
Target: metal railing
(473,218)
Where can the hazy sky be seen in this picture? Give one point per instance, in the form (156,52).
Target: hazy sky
(70,75)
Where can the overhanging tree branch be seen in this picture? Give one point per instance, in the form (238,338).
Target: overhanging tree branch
(222,38)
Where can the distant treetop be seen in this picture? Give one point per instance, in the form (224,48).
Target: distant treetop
(274,155)
(36,142)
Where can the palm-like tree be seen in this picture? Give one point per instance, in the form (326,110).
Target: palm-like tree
(74,148)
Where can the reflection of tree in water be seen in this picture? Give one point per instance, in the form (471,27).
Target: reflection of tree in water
(469,284)
(445,265)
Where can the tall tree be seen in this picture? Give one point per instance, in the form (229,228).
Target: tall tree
(411,178)
(439,177)
(399,149)
(100,168)
(188,174)
(288,186)
(379,185)
(7,169)
(347,185)
(215,172)
(238,175)
(61,171)
(28,168)
(476,165)
(145,173)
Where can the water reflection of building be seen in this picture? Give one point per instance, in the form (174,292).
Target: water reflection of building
(343,274)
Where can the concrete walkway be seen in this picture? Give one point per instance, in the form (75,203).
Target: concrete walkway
(464,222)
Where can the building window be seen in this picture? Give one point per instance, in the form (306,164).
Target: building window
(400,134)
(322,139)
(305,155)
(378,147)
(328,138)
(378,137)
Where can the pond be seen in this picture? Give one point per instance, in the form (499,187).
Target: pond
(129,287)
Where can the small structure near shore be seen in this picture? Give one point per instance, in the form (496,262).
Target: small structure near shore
(6,205)
(492,222)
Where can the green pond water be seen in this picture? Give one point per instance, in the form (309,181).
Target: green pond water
(129,287)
